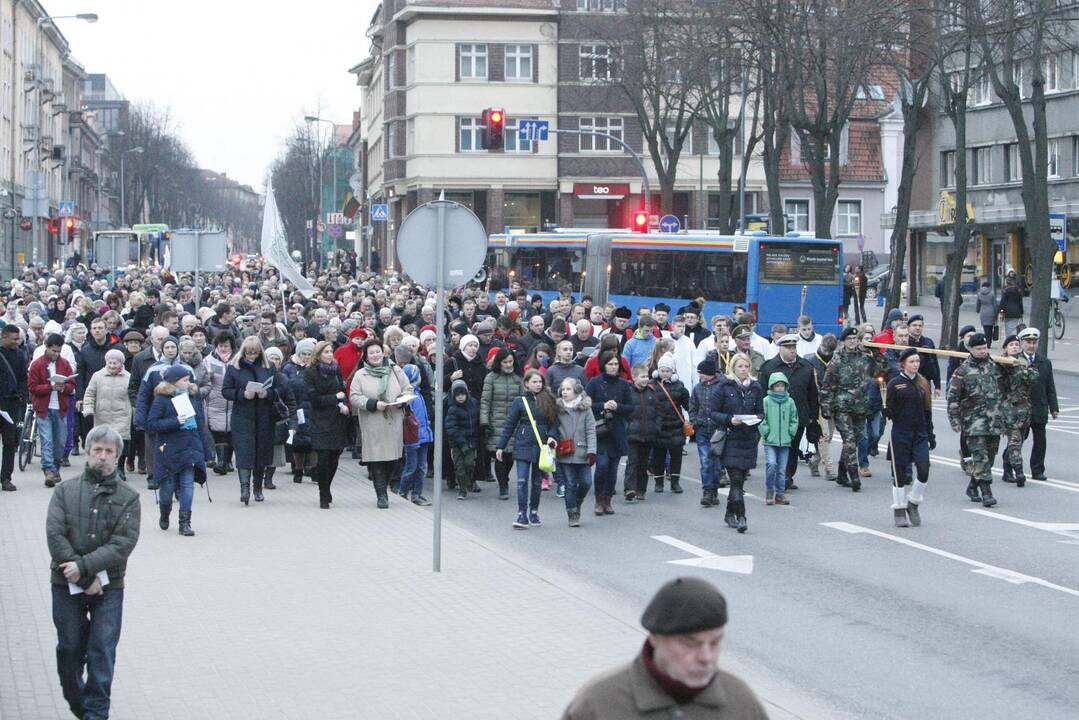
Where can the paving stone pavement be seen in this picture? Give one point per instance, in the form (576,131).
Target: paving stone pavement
(282,610)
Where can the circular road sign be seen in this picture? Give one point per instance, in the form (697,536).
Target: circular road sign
(465,244)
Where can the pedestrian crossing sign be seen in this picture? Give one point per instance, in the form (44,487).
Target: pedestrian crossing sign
(380,213)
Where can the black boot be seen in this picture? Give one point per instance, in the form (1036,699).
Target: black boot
(676,488)
(1009,476)
(166,510)
(987,495)
(220,465)
(855,478)
(245,485)
(972,491)
(258,486)
(659,483)
(731,519)
(267,481)
(185,524)
(381,484)
(1020,478)
(843,479)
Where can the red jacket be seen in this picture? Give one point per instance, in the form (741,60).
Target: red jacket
(41,388)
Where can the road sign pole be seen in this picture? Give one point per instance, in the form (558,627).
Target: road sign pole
(440,368)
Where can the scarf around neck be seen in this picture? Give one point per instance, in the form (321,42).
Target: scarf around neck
(382,374)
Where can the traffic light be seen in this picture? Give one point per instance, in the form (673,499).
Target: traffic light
(640,221)
(492,137)
(69,227)
(54,226)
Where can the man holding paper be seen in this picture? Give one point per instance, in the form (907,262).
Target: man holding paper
(52,387)
(92,527)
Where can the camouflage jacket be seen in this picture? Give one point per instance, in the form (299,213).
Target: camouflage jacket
(974,398)
(844,387)
(1017,381)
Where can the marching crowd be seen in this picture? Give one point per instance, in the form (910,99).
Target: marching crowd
(244,376)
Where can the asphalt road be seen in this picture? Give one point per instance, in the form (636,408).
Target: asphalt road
(845,615)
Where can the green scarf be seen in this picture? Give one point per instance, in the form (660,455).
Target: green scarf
(383,375)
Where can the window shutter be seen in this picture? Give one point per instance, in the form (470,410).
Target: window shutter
(457,64)
(457,135)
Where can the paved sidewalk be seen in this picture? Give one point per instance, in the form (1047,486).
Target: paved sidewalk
(282,610)
(1064,353)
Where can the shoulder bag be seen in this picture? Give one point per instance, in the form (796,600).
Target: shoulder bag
(546,453)
(687,428)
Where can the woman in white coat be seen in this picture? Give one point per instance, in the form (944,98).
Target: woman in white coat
(107,401)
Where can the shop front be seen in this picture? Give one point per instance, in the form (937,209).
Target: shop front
(600,205)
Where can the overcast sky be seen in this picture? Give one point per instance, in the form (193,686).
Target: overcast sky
(235,74)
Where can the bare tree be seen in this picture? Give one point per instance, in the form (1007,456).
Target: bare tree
(295,182)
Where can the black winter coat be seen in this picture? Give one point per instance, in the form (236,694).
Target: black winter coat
(801,384)
(740,450)
(327,427)
(90,359)
(462,423)
(525,448)
(474,372)
(602,388)
(671,417)
(253,421)
(652,419)
(297,384)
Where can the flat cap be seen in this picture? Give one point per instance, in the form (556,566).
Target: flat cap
(788,339)
(685,605)
(1030,332)
(742,331)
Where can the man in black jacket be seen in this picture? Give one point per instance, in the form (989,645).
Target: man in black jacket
(13,398)
(1043,400)
(930,366)
(91,359)
(802,386)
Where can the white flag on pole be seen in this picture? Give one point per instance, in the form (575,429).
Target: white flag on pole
(275,246)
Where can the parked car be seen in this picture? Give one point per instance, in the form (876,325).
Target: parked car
(877,278)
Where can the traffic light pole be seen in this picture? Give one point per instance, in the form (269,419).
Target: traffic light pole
(640,163)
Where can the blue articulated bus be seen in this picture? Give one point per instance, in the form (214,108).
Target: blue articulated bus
(776,278)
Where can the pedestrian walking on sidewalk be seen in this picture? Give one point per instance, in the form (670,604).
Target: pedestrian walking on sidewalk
(670,441)
(532,419)
(577,448)
(462,425)
(106,402)
(13,398)
(988,308)
(909,406)
(611,405)
(802,387)
(50,399)
(677,673)
(92,528)
(328,421)
(299,453)
(702,404)
(1011,305)
(502,384)
(415,469)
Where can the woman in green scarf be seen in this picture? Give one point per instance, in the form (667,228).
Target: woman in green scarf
(376,387)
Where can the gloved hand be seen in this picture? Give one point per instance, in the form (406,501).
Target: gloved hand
(932,441)
(591,458)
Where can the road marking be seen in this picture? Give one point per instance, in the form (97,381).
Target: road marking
(742,564)
(1068,530)
(981,568)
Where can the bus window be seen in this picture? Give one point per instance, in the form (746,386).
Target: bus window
(498,268)
(546,268)
(718,276)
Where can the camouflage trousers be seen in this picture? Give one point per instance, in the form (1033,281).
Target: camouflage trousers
(983,449)
(1013,453)
(850,427)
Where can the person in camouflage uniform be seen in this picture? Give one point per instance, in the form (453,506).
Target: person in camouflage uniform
(974,409)
(843,397)
(1017,382)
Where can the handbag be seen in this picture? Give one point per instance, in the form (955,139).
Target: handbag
(687,428)
(411,427)
(546,452)
(566,448)
(603,428)
(718,442)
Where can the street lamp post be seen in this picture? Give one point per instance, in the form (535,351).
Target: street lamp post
(38,84)
(123,214)
(333,144)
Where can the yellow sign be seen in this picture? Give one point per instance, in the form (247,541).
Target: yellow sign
(20,258)
(946,209)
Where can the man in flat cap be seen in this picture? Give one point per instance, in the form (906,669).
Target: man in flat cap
(677,671)
(974,410)
(802,385)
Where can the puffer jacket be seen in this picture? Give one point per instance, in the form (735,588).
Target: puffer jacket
(669,417)
(218,408)
(740,448)
(703,405)
(473,372)
(499,390)
(294,378)
(780,423)
(106,400)
(177,448)
(93,521)
(519,428)
(577,424)
(462,423)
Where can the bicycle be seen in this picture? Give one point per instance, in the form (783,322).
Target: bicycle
(1056,319)
(28,438)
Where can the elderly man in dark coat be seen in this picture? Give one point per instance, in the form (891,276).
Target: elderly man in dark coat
(677,671)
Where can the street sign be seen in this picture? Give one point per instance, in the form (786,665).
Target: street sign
(466,244)
(67,208)
(26,223)
(533,129)
(380,213)
(669,224)
(336,218)
(1058,230)
(196,250)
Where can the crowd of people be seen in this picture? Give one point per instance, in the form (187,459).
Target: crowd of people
(242,376)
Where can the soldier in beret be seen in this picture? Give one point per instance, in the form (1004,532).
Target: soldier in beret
(974,410)
(677,671)
(1017,383)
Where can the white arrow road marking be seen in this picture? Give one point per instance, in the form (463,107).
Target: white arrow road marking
(742,564)
(1011,576)
(1068,530)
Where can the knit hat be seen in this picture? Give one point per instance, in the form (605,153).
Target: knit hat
(426,335)
(487,326)
(132,334)
(114,354)
(893,315)
(358,332)
(706,367)
(966,329)
(428,328)
(666,361)
(174,372)
(273,350)
(466,339)
(412,373)
(306,345)
(458,387)
(461,328)
(171,339)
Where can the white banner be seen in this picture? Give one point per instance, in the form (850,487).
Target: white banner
(275,246)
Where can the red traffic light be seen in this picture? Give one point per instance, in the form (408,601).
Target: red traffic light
(496,116)
(54,226)
(493,121)
(69,224)
(640,221)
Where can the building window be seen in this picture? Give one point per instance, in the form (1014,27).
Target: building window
(981,90)
(468,135)
(391,140)
(592,143)
(687,144)
(598,62)
(1014,167)
(410,136)
(519,63)
(870,92)
(1075,69)
(391,70)
(1053,169)
(947,168)
(983,165)
(601,5)
(522,211)
(410,64)
(1051,72)
(1075,155)
(797,214)
(473,61)
(850,217)
(1019,79)
(512,142)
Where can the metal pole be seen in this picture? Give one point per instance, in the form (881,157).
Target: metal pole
(198,256)
(123,214)
(742,172)
(700,192)
(440,368)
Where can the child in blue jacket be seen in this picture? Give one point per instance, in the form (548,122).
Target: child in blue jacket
(416,453)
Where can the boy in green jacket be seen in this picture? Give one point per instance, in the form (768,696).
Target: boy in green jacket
(777,431)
